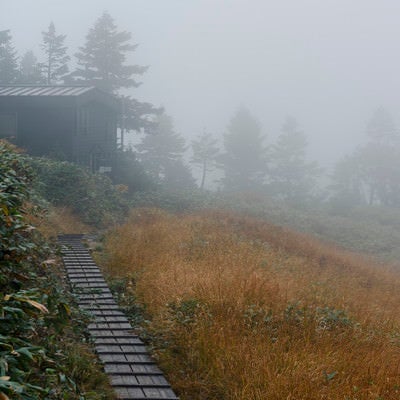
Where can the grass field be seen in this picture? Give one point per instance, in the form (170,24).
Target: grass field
(237,308)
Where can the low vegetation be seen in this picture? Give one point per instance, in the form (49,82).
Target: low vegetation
(91,197)
(246,309)
(43,354)
(372,230)
(237,308)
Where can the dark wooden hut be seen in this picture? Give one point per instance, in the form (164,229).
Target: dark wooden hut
(74,123)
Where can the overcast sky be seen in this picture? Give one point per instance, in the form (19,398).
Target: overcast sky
(329,63)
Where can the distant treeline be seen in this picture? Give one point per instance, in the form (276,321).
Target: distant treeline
(239,160)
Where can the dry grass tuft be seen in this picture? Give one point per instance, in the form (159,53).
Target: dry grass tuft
(59,220)
(242,309)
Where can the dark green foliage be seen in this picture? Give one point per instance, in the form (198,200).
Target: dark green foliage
(184,312)
(34,307)
(91,196)
(161,154)
(121,289)
(330,318)
(130,172)
(56,65)
(16,244)
(136,116)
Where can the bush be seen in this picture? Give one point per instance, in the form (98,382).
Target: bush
(91,196)
(35,309)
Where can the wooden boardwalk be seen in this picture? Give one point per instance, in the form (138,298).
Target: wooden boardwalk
(133,374)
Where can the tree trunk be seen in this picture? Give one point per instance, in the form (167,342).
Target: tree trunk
(203,178)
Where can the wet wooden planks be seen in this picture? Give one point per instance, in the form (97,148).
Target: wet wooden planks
(133,373)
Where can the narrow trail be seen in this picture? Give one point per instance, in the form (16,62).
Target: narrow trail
(132,372)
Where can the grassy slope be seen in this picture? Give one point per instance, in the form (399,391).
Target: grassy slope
(242,309)
(301,318)
(367,230)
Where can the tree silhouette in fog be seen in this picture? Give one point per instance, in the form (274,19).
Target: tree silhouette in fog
(244,161)
(371,174)
(292,177)
(8,59)
(56,63)
(31,71)
(101,61)
(205,154)
(161,154)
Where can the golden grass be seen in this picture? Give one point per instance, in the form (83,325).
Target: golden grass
(243,309)
(59,220)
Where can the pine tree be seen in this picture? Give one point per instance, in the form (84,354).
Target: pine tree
(347,188)
(137,116)
(245,159)
(8,59)
(382,128)
(292,177)
(130,172)
(205,154)
(375,166)
(178,176)
(161,154)
(31,71)
(56,65)
(101,61)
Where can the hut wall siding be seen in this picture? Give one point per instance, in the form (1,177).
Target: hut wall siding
(81,129)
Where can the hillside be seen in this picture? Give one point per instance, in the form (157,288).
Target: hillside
(370,230)
(237,308)
(233,301)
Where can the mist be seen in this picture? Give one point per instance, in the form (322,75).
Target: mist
(234,166)
(329,64)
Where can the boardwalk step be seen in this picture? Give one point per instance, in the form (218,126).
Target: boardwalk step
(133,374)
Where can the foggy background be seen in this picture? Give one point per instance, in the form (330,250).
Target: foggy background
(328,63)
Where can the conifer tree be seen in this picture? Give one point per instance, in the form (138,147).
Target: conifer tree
(292,177)
(136,116)
(375,167)
(56,64)
(381,127)
(205,154)
(347,187)
(31,71)
(101,61)
(8,59)
(161,154)
(245,159)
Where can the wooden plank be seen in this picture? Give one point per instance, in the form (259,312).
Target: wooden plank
(133,373)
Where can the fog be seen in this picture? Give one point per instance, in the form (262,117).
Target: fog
(329,63)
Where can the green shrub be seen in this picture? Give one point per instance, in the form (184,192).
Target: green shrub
(35,361)
(90,196)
